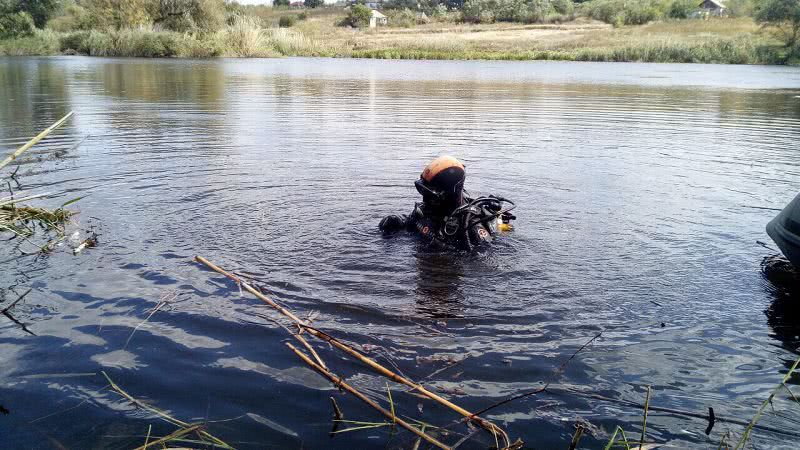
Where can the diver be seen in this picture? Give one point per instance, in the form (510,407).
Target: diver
(447,215)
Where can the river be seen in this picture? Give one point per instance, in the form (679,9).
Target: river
(642,190)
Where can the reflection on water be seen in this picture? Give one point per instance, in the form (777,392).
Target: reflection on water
(640,190)
(439,282)
(783,314)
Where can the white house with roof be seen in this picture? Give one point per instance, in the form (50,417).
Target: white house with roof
(713,7)
(377,19)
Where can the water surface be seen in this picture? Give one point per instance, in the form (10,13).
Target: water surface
(642,190)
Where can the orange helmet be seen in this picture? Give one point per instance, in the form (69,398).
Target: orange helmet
(442,179)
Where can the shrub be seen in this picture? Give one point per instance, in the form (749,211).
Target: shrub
(404,18)
(357,17)
(206,47)
(525,11)
(681,9)
(17,24)
(783,16)
(288,42)
(621,12)
(74,42)
(42,42)
(38,10)
(286,21)
(280,3)
(564,7)
(189,15)
(245,38)
(147,43)
(739,8)
(302,16)
(75,17)
(314,3)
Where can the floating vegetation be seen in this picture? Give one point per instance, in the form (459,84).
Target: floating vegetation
(768,401)
(184,428)
(22,220)
(499,435)
(619,438)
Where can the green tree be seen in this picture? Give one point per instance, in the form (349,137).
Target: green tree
(190,15)
(279,3)
(314,3)
(358,16)
(783,16)
(38,10)
(116,14)
(681,9)
(16,24)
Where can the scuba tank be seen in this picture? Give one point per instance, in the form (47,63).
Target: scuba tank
(478,219)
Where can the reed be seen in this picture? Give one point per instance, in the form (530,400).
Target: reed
(245,38)
(485,424)
(34,140)
(339,382)
(742,443)
(184,428)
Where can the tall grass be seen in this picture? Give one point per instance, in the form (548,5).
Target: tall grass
(737,50)
(292,43)
(42,42)
(245,38)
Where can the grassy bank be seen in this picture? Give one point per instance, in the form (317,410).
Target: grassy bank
(724,41)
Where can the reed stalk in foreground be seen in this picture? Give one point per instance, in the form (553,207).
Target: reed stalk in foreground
(183,426)
(487,425)
(746,435)
(339,382)
(33,141)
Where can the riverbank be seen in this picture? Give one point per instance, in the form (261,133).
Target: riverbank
(722,41)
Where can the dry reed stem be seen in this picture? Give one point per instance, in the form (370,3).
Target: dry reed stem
(339,382)
(160,413)
(176,434)
(147,438)
(746,435)
(33,141)
(644,418)
(487,425)
(576,437)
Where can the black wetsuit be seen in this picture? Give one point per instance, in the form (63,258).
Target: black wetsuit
(470,225)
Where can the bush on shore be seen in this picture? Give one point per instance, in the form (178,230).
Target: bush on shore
(739,50)
(523,11)
(357,17)
(41,42)
(19,24)
(637,12)
(287,21)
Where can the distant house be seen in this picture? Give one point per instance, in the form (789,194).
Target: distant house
(377,19)
(713,7)
(297,4)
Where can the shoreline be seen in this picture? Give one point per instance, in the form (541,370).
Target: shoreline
(719,41)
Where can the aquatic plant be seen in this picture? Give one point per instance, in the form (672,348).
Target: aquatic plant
(316,362)
(290,42)
(184,428)
(22,220)
(245,38)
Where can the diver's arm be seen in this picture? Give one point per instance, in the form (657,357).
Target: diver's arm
(393,224)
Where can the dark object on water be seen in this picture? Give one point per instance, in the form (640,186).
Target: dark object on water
(784,229)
